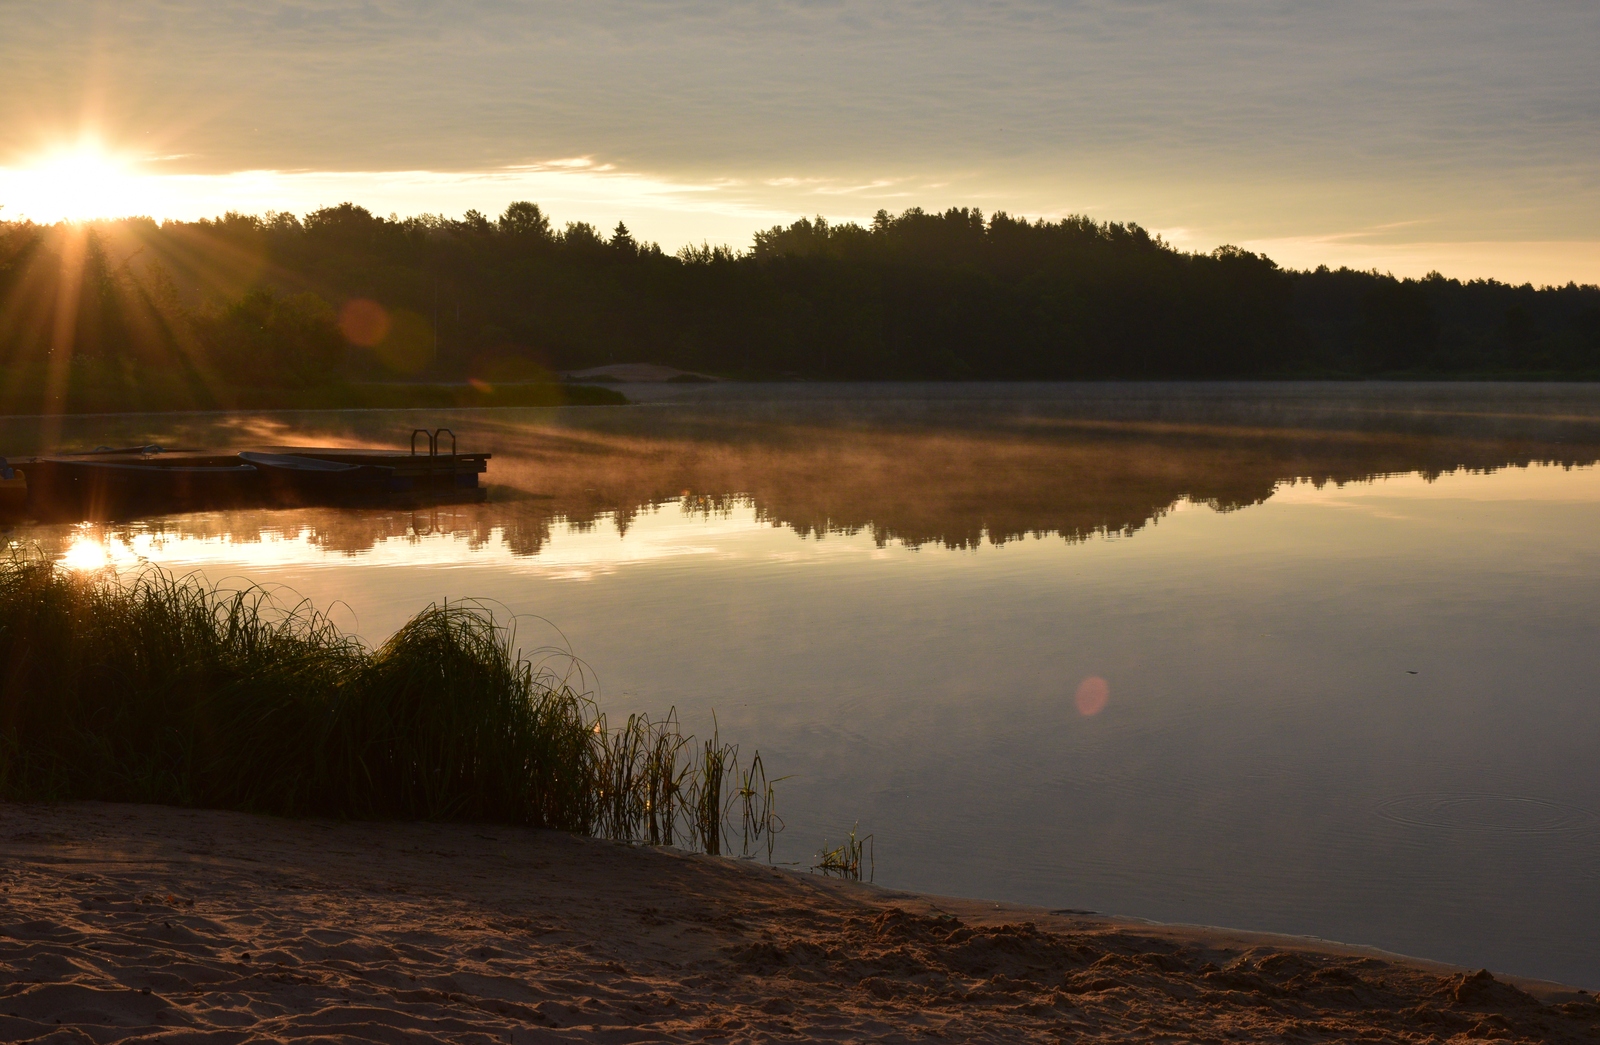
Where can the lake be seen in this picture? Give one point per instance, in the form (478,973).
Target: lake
(1315,659)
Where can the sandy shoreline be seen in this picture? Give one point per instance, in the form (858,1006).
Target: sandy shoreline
(147,923)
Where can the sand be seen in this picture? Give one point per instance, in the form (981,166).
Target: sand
(125,923)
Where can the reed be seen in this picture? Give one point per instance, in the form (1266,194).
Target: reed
(850,859)
(707,808)
(162,689)
(758,803)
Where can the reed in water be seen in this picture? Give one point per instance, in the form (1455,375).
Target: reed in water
(163,689)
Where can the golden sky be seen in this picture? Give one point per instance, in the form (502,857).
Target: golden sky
(1461,135)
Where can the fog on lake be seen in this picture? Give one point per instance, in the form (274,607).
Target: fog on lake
(1315,659)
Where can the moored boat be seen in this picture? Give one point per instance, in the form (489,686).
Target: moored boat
(13,487)
(296,477)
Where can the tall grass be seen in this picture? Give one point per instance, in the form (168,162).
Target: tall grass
(163,689)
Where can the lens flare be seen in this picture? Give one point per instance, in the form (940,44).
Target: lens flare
(364,322)
(1093,693)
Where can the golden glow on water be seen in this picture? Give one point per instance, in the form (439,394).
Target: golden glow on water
(88,553)
(677,532)
(1553,484)
(1172,680)
(576,553)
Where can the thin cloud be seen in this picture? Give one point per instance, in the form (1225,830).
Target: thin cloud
(1264,120)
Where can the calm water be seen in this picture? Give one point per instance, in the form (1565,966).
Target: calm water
(1317,660)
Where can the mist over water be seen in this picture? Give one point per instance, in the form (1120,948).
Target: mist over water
(1310,659)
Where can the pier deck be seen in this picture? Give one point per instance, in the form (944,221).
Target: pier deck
(109,480)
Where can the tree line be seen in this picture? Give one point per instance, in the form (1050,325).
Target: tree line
(342,294)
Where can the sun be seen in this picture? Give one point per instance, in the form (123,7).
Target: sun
(81,181)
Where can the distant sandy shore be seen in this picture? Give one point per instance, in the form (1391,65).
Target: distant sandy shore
(143,923)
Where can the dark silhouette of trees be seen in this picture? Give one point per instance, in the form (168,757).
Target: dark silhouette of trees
(955,295)
(265,340)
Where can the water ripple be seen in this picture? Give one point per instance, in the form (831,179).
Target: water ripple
(1468,811)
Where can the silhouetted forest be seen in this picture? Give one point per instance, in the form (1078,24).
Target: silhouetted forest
(343,295)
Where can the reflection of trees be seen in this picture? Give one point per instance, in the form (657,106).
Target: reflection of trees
(347,531)
(953,486)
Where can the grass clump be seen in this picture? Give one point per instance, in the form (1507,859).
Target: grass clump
(163,689)
(849,859)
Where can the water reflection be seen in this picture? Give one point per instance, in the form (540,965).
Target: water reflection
(977,480)
(1320,665)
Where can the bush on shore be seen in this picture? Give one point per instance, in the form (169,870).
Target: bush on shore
(163,689)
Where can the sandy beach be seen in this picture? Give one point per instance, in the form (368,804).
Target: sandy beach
(128,923)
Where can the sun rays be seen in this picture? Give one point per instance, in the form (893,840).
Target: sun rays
(93,305)
(78,181)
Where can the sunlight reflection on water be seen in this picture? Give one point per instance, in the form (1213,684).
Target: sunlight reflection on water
(1186,689)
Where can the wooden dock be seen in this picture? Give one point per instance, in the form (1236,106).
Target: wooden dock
(154,478)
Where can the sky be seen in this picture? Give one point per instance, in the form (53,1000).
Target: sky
(1405,135)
